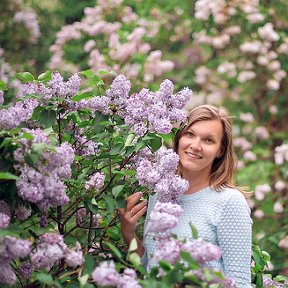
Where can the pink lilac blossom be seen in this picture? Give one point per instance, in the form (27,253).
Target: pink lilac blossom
(267,32)
(280,185)
(283,243)
(249,156)
(281,154)
(278,207)
(19,112)
(50,249)
(28,18)
(262,133)
(96,181)
(261,190)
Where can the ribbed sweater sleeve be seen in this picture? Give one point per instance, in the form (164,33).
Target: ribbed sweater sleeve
(234,237)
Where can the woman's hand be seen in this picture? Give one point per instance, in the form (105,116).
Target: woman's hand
(130,215)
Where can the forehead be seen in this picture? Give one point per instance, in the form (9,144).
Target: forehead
(212,128)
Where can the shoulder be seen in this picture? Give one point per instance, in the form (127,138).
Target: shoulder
(230,199)
(231,195)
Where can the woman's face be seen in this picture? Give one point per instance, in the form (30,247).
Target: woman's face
(199,146)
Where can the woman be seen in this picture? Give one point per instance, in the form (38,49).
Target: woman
(212,203)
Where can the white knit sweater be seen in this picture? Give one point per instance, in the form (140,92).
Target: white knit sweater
(221,218)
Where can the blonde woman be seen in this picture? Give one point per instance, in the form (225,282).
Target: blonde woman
(212,203)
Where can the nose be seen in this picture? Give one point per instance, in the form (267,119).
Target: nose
(196,144)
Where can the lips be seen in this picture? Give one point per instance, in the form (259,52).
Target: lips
(193,156)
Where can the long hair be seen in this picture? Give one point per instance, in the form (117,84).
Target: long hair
(224,167)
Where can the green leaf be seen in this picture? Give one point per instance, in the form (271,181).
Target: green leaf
(25,77)
(113,233)
(88,73)
(83,280)
(84,95)
(8,176)
(88,264)
(91,206)
(103,72)
(46,76)
(165,265)
(47,117)
(133,245)
(188,258)
(129,140)
(45,278)
(4,233)
(114,249)
(134,258)
(193,230)
(38,148)
(116,190)
(31,159)
(27,136)
(36,113)
(110,206)
(3,85)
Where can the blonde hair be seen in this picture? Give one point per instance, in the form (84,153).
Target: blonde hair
(224,167)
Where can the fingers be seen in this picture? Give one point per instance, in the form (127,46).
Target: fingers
(139,213)
(132,200)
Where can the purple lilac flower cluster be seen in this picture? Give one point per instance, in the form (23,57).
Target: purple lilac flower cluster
(200,250)
(147,110)
(106,275)
(11,248)
(56,87)
(96,181)
(1,97)
(82,217)
(51,248)
(165,213)
(269,283)
(201,274)
(97,103)
(43,185)
(19,112)
(23,213)
(83,146)
(158,173)
(5,214)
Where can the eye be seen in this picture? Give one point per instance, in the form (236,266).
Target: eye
(188,133)
(209,140)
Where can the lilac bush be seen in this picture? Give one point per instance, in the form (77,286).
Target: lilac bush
(71,160)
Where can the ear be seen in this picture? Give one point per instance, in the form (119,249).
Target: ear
(220,153)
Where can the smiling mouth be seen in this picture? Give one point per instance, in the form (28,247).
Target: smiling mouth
(193,156)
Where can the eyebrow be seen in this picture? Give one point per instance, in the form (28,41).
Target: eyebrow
(208,135)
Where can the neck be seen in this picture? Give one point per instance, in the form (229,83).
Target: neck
(196,182)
